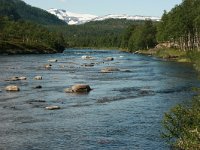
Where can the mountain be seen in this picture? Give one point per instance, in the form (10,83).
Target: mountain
(19,10)
(71,18)
(75,18)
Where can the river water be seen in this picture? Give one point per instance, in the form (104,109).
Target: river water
(122,112)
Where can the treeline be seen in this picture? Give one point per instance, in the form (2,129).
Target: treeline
(111,33)
(137,37)
(28,37)
(181,26)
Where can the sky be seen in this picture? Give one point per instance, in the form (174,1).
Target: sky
(104,7)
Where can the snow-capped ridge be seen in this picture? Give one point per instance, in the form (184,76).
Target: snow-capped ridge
(77,18)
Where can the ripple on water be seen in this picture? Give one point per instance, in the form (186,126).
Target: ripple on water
(123,111)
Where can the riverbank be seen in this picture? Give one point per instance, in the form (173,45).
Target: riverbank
(167,54)
(7,47)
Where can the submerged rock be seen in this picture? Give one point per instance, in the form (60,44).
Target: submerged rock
(52,107)
(110,70)
(38,87)
(88,65)
(38,78)
(87,57)
(78,88)
(109,59)
(12,88)
(47,66)
(16,78)
(52,60)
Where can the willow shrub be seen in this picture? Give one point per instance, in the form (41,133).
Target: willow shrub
(182,126)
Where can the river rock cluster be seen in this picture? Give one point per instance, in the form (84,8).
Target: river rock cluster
(76,88)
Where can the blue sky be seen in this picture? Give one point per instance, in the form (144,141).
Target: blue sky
(104,7)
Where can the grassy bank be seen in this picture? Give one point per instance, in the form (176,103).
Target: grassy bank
(168,54)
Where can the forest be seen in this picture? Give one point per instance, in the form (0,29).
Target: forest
(28,37)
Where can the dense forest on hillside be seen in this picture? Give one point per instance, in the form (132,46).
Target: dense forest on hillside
(22,29)
(19,10)
(181,26)
(111,33)
(28,37)
(99,34)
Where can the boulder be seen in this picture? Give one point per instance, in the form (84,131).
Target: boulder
(47,66)
(14,79)
(87,57)
(12,88)
(109,59)
(52,60)
(38,87)
(52,107)
(88,65)
(22,78)
(78,88)
(38,78)
(110,70)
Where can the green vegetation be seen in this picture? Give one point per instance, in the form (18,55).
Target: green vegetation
(182,126)
(96,34)
(19,10)
(180,28)
(22,29)
(27,37)
(138,37)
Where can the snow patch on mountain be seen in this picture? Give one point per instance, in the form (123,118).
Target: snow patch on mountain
(76,18)
(71,18)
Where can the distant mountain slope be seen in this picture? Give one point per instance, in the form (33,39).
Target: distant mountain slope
(17,9)
(75,18)
(71,18)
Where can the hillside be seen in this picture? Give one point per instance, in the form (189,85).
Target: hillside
(98,34)
(78,18)
(19,10)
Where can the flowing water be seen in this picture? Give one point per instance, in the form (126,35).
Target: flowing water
(122,112)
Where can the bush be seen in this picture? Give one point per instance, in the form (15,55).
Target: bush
(182,126)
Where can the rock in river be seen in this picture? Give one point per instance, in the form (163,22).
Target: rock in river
(109,59)
(12,88)
(78,88)
(38,78)
(47,66)
(109,70)
(22,78)
(16,78)
(37,87)
(52,107)
(52,60)
(87,57)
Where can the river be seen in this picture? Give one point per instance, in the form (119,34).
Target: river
(122,112)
